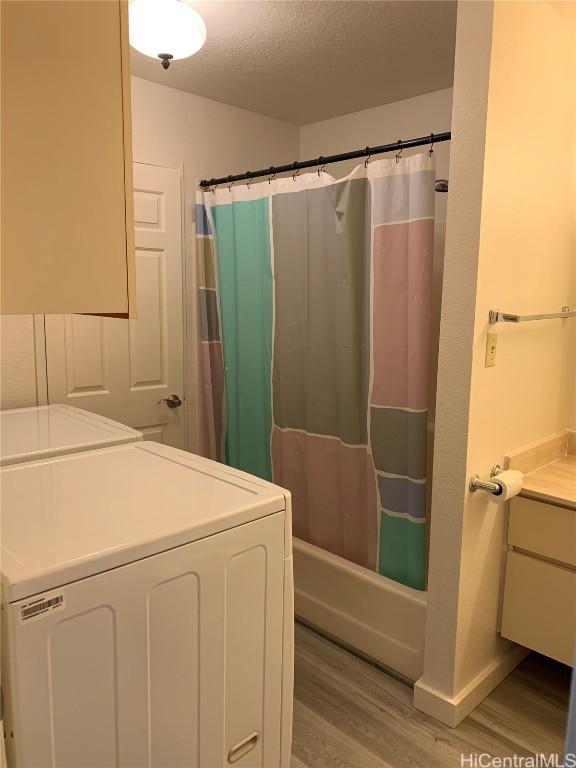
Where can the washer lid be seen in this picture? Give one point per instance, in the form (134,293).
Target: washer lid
(29,434)
(78,515)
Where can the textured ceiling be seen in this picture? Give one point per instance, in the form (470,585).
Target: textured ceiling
(303,61)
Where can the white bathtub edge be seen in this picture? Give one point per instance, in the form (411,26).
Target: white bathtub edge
(381,618)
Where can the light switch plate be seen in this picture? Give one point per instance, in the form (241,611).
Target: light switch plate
(491,343)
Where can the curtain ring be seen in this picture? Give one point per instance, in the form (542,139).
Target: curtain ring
(231,183)
(399,154)
(272,175)
(368,158)
(431,152)
(296,173)
(320,162)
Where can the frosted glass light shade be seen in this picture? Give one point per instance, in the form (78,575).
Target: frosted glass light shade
(165,27)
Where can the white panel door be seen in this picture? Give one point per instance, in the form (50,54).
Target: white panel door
(123,369)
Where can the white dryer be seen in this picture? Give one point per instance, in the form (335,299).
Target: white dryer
(29,434)
(148,612)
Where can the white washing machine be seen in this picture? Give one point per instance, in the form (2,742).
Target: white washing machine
(148,612)
(29,434)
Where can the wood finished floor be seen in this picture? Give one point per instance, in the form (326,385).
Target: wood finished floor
(349,714)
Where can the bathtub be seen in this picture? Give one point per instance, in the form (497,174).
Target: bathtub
(372,614)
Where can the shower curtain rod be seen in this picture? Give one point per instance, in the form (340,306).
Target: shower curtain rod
(432,138)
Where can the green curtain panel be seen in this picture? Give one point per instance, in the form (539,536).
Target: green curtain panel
(314,319)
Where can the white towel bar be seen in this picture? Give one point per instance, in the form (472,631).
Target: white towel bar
(495,316)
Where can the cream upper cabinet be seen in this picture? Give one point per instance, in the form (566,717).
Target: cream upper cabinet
(67,220)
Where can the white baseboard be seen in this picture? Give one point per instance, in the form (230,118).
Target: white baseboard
(380,618)
(452,710)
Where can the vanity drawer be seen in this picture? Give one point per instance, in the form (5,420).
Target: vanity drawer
(545,529)
(539,608)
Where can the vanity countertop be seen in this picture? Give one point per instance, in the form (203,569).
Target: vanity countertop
(554,483)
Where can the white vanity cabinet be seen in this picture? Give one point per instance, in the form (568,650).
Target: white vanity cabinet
(539,609)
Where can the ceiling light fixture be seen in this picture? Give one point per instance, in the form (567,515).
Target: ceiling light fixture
(166,29)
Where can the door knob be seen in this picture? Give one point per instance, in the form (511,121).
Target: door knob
(172,401)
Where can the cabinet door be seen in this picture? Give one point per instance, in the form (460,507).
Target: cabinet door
(67,224)
(175,660)
(539,609)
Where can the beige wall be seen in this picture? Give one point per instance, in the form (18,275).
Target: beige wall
(509,245)
(572,424)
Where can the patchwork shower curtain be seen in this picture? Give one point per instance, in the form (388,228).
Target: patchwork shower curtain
(314,320)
